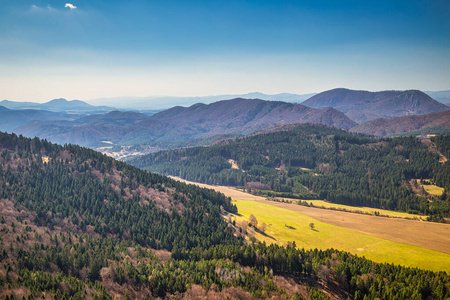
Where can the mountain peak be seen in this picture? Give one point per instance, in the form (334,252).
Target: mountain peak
(58,100)
(66,104)
(363,106)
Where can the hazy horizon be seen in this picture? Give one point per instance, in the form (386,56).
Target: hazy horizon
(90,50)
(131,102)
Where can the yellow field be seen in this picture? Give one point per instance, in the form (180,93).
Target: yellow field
(238,194)
(369,210)
(433,189)
(284,225)
(395,239)
(233,163)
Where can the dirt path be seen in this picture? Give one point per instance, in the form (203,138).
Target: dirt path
(433,236)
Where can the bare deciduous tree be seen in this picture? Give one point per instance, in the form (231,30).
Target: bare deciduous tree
(252,221)
(262,228)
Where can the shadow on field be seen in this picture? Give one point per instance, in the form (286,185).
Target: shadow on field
(266,235)
(269,236)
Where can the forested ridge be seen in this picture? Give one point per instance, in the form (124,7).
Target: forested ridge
(77,224)
(319,162)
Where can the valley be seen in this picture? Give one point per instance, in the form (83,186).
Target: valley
(317,162)
(309,207)
(78,224)
(396,239)
(224,150)
(139,132)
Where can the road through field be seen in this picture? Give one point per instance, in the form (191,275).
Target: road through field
(433,236)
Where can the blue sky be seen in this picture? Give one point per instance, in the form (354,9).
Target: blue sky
(89,49)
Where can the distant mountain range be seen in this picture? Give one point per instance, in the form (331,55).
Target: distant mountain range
(58,105)
(199,121)
(76,121)
(363,106)
(441,96)
(166,102)
(248,115)
(82,131)
(11,119)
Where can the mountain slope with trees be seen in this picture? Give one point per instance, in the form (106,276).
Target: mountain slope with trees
(11,119)
(318,162)
(434,123)
(180,126)
(77,224)
(363,106)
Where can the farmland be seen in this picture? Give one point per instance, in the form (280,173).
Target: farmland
(396,240)
(285,225)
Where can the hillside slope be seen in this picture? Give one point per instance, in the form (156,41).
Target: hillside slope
(10,119)
(318,162)
(77,224)
(199,121)
(111,126)
(363,106)
(248,115)
(422,124)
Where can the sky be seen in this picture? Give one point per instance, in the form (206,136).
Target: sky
(87,49)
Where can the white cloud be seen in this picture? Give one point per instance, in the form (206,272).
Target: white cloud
(70,5)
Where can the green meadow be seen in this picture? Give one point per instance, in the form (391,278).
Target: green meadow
(283,226)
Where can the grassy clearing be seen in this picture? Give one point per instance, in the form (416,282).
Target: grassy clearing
(425,187)
(433,189)
(284,226)
(234,164)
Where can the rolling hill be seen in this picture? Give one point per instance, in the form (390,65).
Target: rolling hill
(11,119)
(433,123)
(248,115)
(58,105)
(76,224)
(93,128)
(132,133)
(310,161)
(197,122)
(363,106)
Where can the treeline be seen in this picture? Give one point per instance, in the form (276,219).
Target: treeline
(315,161)
(357,276)
(250,267)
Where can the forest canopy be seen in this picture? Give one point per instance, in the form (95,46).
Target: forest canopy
(318,162)
(77,224)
